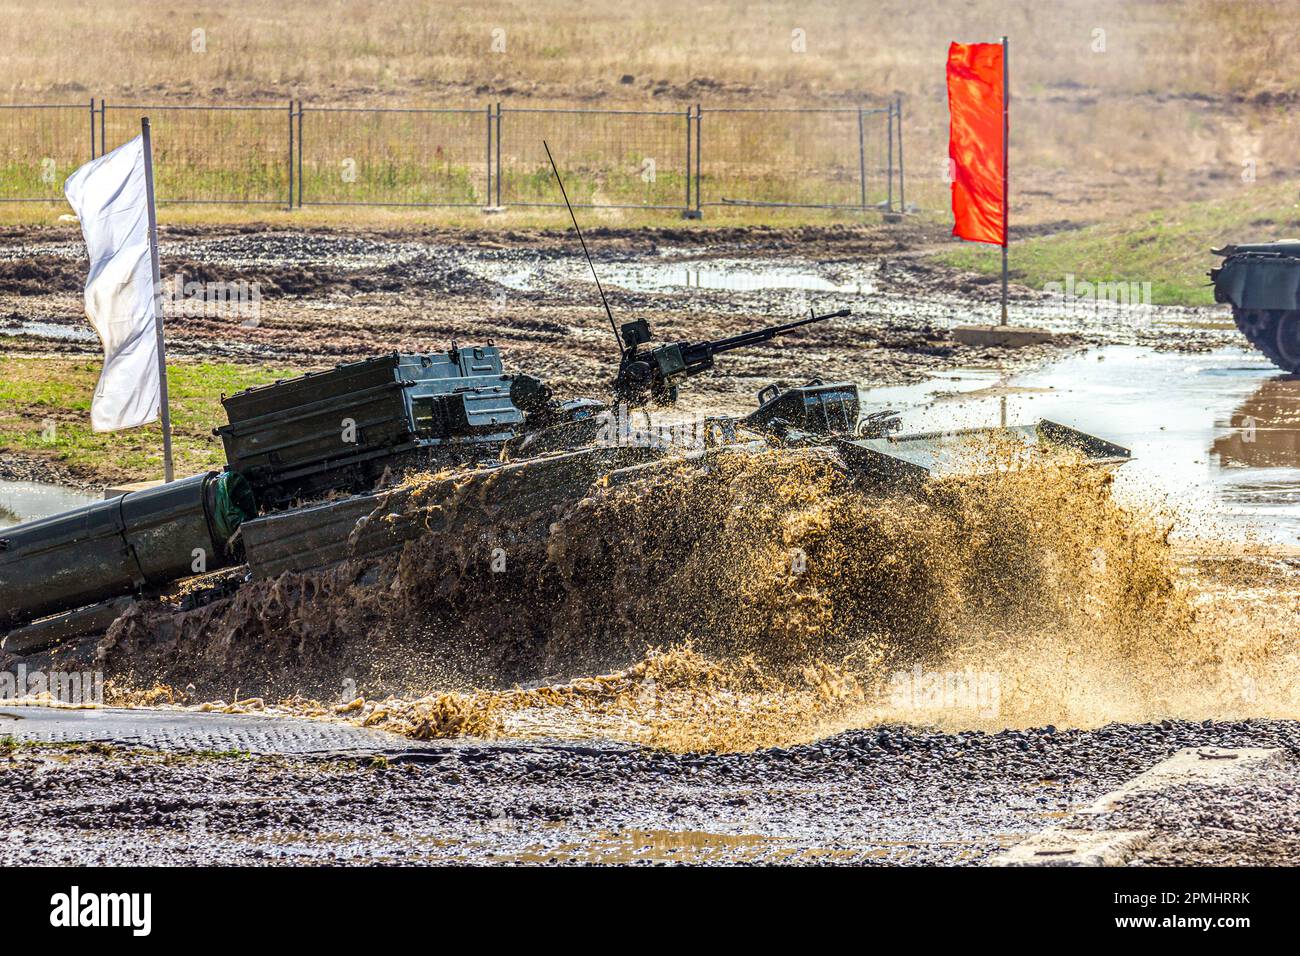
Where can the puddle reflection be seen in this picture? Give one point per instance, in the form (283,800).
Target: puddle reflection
(1215,435)
(22,501)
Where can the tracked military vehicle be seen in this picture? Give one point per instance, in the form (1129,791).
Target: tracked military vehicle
(290,444)
(314,462)
(1261,281)
(313,465)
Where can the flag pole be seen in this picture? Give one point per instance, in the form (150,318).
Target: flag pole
(1006,149)
(163,407)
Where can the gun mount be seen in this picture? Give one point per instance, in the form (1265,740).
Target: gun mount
(653,374)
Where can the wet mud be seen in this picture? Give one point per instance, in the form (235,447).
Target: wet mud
(754,601)
(887,796)
(328,297)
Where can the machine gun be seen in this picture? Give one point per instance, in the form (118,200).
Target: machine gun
(653,374)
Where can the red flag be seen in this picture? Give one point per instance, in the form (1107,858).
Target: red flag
(975,142)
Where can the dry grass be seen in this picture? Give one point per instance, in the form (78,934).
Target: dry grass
(407,48)
(1183,93)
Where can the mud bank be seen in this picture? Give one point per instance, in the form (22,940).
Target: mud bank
(330,296)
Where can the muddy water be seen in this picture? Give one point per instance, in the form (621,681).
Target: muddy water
(1215,435)
(48,330)
(22,501)
(872,287)
(735,276)
(657,275)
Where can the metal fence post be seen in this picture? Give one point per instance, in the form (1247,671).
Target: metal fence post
(299,154)
(102,112)
(498,154)
(898,112)
(889,193)
(862,161)
(699,156)
(488,194)
(291,154)
(687,210)
(92,127)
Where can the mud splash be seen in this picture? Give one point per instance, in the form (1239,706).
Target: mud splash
(740,601)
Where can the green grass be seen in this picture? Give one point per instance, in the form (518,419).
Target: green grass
(1170,248)
(45,412)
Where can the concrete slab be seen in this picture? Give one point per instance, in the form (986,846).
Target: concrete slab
(1001,336)
(1198,765)
(112,491)
(183,730)
(179,730)
(1074,848)
(1078,842)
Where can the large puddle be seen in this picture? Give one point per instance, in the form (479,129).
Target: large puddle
(1215,435)
(49,330)
(796,284)
(727,275)
(22,501)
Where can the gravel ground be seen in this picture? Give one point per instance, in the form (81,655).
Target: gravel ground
(888,795)
(19,468)
(1254,821)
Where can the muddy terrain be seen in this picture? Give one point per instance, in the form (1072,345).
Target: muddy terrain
(326,297)
(888,795)
(711,703)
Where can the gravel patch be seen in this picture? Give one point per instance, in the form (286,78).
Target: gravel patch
(885,795)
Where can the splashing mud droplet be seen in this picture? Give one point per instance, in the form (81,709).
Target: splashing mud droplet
(1012,593)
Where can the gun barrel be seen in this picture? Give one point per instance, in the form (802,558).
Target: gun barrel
(771,332)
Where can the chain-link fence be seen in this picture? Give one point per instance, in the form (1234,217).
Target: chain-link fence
(812,158)
(212,154)
(635,159)
(41,146)
(489,156)
(399,157)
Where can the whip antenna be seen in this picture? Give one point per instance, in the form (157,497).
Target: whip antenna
(591,264)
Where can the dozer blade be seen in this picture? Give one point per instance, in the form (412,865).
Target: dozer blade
(911,459)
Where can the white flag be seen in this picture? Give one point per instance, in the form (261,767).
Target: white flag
(108,196)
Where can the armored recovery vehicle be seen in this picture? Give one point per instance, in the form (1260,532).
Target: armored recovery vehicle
(1261,281)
